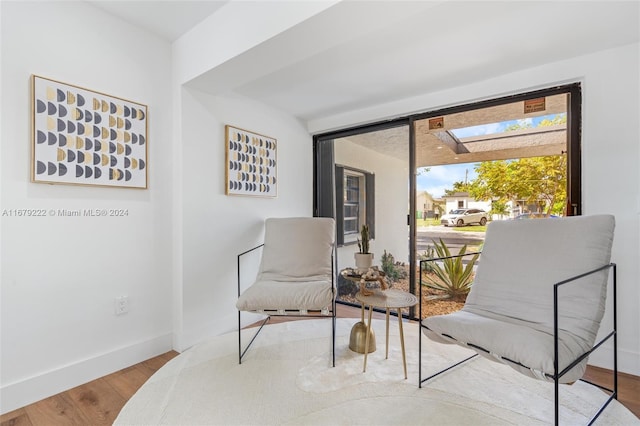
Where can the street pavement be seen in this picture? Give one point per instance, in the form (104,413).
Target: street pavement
(454,239)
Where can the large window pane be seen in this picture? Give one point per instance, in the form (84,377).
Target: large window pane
(372,187)
(479,165)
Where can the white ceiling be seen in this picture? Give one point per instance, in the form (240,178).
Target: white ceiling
(166,19)
(361,53)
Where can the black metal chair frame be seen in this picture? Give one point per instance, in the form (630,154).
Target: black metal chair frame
(557,375)
(269,314)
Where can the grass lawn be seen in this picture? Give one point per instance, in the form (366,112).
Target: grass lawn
(427,222)
(472,228)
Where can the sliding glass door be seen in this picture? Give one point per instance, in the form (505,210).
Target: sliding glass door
(365,181)
(438,178)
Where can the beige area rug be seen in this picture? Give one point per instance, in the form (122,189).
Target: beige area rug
(286,379)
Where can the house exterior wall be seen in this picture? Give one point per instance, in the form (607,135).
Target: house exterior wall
(391,201)
(424,205)
(453,202)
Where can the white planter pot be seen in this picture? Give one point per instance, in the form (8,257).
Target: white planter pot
(363,261)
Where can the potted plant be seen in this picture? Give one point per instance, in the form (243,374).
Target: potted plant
(363,258)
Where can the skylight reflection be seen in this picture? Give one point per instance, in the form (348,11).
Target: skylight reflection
(505,126)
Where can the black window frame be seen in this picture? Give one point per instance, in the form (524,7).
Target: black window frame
(368,204)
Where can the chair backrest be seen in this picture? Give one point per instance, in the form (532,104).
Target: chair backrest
(522,259)
(297,249)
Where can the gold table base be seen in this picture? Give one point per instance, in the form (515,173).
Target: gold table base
(358,338)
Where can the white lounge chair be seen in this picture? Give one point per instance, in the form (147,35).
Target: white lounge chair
(537,299)
(296,274)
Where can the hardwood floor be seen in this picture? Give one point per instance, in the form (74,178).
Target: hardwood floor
(628,386)
(99,402)
(94,403)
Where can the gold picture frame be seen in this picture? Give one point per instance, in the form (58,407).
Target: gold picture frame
(251,163)
(84,137)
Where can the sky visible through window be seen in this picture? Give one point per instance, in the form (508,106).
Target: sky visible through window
(440,178)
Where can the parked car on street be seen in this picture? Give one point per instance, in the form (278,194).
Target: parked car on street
(463,217)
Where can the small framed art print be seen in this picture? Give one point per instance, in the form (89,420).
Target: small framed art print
(251,163)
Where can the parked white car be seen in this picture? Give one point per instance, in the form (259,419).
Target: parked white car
(463,217)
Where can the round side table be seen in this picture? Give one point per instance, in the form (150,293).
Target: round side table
(387,299)
(360,334)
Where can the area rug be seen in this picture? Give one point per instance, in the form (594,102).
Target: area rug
(286,378)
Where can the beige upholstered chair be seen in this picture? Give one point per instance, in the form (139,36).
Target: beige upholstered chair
(296,274)
(537,299)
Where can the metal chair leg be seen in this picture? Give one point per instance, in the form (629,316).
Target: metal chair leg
(240,351)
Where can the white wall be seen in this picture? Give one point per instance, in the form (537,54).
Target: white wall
(391,201)
(210,228)
(216,227)
(610,155)
(60,275)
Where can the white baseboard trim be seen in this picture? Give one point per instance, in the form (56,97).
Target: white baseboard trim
(628,361)
(24,392)
(193,334)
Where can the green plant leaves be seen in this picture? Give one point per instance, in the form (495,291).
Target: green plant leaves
(452,276)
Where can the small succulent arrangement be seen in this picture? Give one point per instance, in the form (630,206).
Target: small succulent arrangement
(363,241)
(394,271)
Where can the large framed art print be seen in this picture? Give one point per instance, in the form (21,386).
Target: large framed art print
(251,163)
(87,138)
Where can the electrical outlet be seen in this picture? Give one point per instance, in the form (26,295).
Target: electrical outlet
(122,305)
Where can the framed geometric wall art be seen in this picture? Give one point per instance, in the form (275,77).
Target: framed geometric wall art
(87,138)
(251,163)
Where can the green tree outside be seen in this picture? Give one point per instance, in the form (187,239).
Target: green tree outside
(537,180)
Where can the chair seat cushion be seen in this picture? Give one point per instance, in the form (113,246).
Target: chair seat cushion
(267,295)
(511,341)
